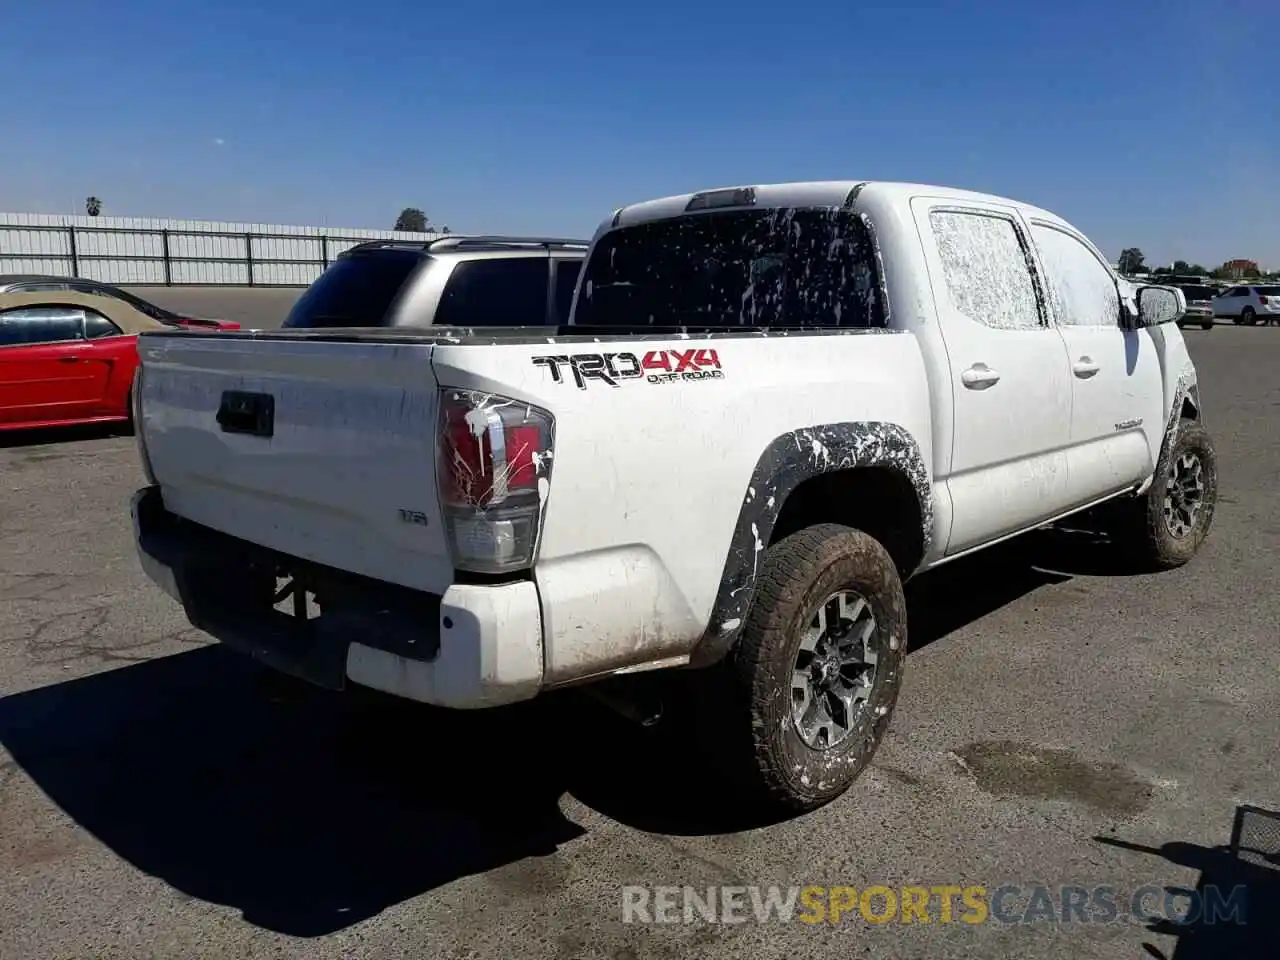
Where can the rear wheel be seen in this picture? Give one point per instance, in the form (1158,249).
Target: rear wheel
(1248,317)
(1207,325)
(814,678)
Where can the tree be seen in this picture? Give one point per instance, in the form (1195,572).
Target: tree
(92,206)
(1132,261)
(412,220)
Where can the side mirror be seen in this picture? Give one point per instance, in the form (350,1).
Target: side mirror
(1157,305)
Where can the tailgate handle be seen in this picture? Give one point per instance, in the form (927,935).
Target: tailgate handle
(251,413)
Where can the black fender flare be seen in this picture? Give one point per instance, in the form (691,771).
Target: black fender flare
(1186,391)
(786,462)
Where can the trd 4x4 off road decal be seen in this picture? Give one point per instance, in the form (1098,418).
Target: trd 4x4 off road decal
(656,366)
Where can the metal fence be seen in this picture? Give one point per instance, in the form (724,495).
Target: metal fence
(172,253)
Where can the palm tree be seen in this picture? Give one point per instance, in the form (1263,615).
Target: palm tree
(92,206)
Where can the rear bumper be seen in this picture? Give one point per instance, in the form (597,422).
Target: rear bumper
(476,646)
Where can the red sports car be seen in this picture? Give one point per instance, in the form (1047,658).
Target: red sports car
(42,283)
(68,358)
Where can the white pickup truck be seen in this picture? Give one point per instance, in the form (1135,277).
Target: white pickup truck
(773,405)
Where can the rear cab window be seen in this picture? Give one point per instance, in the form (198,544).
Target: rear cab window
(356,291)
(802,267)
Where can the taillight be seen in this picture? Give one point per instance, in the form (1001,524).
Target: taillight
(1262,299)
(493,469)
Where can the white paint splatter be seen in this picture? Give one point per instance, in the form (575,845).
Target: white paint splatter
(986,270)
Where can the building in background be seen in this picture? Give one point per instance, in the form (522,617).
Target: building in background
(1239,269)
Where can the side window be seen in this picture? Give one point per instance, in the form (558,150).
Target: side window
(25,326)
(508,292)
(96,325)
(1081,289)
(566,280)
(986,269)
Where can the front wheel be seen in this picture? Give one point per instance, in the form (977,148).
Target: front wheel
(1170,522)
(816,672)
(1207,325)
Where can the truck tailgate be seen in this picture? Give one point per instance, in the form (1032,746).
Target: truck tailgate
(322,450)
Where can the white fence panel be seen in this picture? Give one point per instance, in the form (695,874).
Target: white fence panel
(57,266)
(117,271)
(210,274)
(285,274)
(34,243)
(141,250)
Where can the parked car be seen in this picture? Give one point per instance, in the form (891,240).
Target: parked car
(67,358)
(1199,297)
(771,407)
(451,281)
(1248,303)
(39,283)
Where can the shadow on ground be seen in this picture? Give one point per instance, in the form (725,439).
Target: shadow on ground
(1234,910)
(965,590)
(43,436)
(309,812)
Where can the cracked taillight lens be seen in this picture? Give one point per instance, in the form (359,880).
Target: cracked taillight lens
(493,468)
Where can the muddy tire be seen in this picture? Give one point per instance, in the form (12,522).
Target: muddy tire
(1165,527)
(814,677)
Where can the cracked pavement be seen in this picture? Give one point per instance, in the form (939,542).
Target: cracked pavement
(160,797)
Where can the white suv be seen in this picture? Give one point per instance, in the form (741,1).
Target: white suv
(1249,303)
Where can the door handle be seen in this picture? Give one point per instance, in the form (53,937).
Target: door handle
(979,377)
(1085,368)
(68,359)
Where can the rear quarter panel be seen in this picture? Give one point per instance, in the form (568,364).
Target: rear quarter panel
(648,479)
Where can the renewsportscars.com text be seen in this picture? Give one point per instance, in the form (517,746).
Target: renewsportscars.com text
(943,903)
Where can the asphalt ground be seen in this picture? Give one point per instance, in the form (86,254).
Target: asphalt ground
(262,308)
(1061,723)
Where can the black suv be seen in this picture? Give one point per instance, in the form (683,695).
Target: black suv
(451,281)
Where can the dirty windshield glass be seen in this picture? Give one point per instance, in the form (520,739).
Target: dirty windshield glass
(760,268)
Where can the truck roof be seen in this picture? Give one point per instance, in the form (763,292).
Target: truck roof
(817,193)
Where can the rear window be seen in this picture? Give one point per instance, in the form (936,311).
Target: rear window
(761,268)
(1192,292)
(1270,291)
(355,291)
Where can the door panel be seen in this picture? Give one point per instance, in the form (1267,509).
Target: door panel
(52,381)
(45,372)
(1010,385)
(1117,421)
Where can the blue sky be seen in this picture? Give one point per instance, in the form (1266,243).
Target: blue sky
(1137,122)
